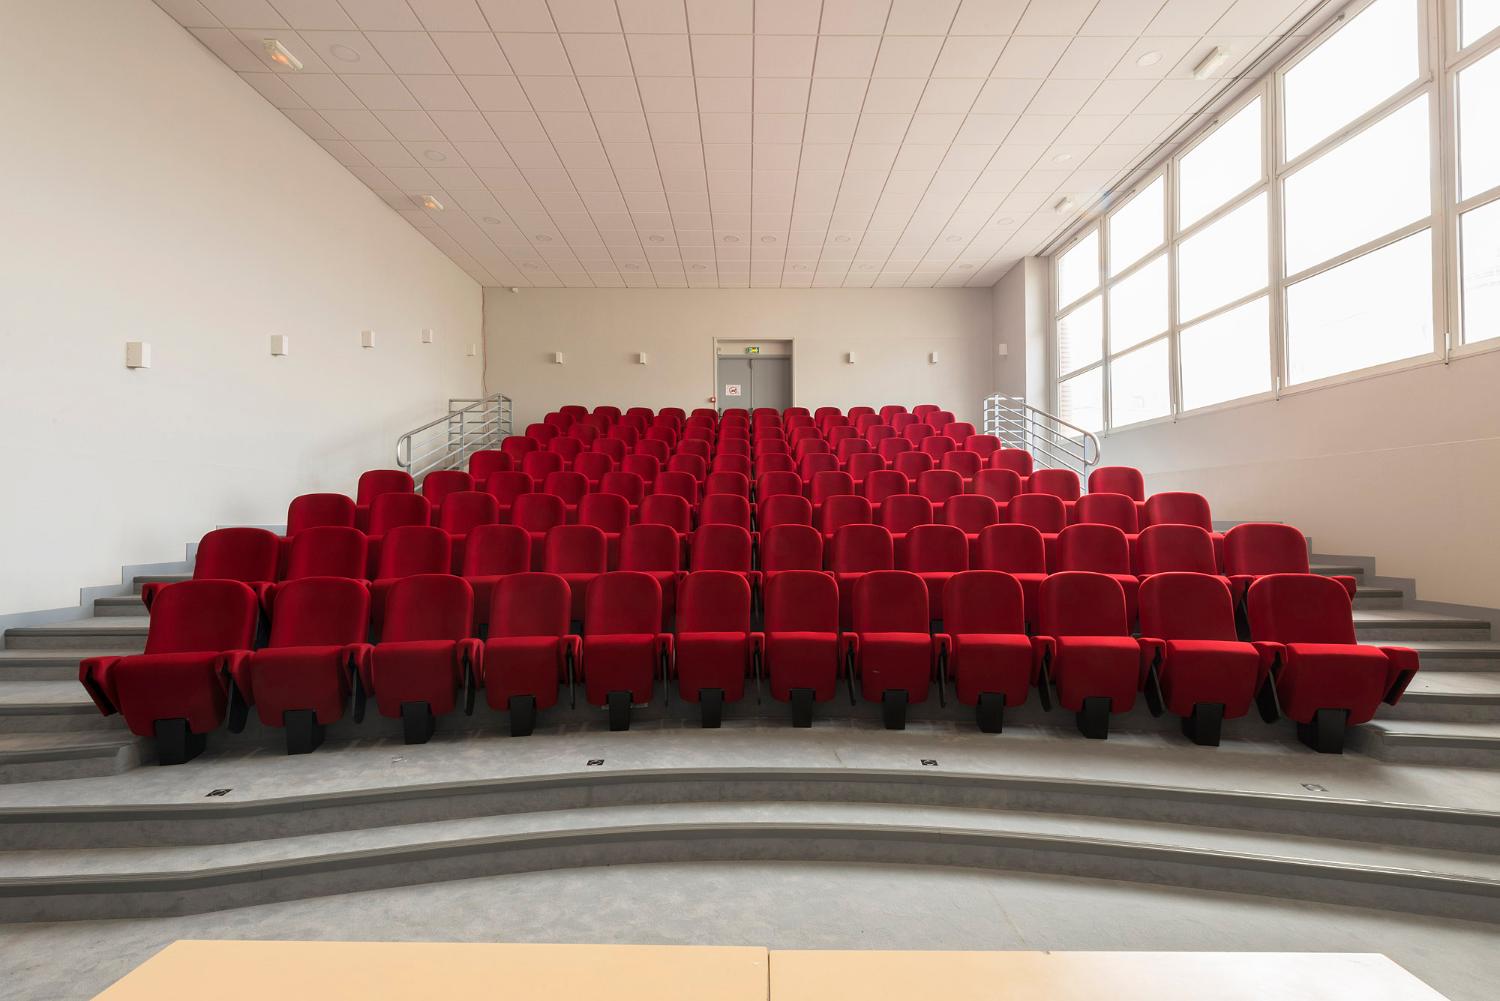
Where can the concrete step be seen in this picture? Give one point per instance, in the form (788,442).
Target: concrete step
(1401,626)
(162,578)
(1365,597)
(1338,569)
(71,884)
(47,757)
(1457,697)
(50,707)
(1458,655)
(42,665)
(1423,741)
(125,604)
(109,634)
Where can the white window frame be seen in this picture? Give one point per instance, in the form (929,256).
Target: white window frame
(1439,62)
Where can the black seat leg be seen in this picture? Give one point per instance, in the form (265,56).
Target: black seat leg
(1093,718)
(802,707)
(619,710)
(522,715)
(1325,734)
(711,705)
(893,708)
(175,743)
(990,712)
(417,722)
(1204,724)
(304,734)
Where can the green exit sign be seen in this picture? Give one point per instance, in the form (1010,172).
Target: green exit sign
(752,351)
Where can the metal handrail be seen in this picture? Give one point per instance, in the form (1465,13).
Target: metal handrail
(446,442)
(1052,441)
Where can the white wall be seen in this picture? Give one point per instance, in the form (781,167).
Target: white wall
(600,331)
(1404,467)
(1020,301)
(150,194)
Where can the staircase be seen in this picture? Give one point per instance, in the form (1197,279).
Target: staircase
(1450,716)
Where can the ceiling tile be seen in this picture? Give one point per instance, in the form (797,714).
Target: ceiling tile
(721,17)
(498,93)
(969,56)
(449,15)
(784,55)
(409,51)
(661,55)
(584,15)
(653,16)
(907,56)
(471,52)
(846,55)
(921,17)
(787,17)
(535,54)
(511,15)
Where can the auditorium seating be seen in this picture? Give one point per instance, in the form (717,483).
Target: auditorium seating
(607,550)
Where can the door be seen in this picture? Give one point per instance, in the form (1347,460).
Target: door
(734,382)
(771,381)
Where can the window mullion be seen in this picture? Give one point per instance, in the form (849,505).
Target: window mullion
(1276,235)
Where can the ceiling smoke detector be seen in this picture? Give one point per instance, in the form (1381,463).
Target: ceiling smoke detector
(1148,58)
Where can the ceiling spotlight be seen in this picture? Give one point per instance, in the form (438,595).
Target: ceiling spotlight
(435,155)
(1062,158)
(731,238)
(278,53)
(1148,58)
(1063,204)
(542,238)
(343,53)
(1210,63)
(429,202)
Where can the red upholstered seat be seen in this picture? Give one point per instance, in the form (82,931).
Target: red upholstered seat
(1125,480)
(1325,680)
(404,552)
(249,555)
(610,513)
(375,482)
(913,464)
(937,485)
(1183,508)
(900,513)
(802,639)
(626,484)
(326,551)
(1019,551)
(971,514)
(490,553)
(425,654)
(656,550)
(783,509)
(1256,549)
(883,483)
(319,510)
(1107,509)
(538,514)
(1205,673)
(593,466)
(768,461)
(966,464)
(715,649)
(1174,549)
(506,487)
(462,513)
(841,510)
(723,482)
(861,465)
(725,509)
(1017,460)
(984,643)
(487,461)
(891,446)
(935,553)
(303,677)
(538,464)
(724,547)
(1099,549)
(677,483)
(1085,645)
(570,486)
(176,691)
(577,554)
(623,645)
(647,467)
(440,483)
(790,547)
(985,445)
(889,650)
(666,509)
(773,483)
(854,551)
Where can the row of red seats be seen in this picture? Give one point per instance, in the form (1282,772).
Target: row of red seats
(200,665)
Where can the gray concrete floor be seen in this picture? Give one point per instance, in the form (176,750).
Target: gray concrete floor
(783,906)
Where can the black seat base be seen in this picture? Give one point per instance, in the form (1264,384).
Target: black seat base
(1325,734)
(1204,724)
(619,710)
(417,722)
(175,743)
(1093,718)
(304,734)
(989,712)
(802,707)
(711,706)
(522,715)
(893,708)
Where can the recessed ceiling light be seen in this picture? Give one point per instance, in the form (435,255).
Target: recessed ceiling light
(697,267)
(1148,58)
(799,267)
(867,267)
(768,239)
(435,155)
(491,220)
(1004,222)
(429,202)
(542,238)
(656,238)
(278,53)
(343,53)
(841,239)
(632,267)
(1063,204)
(731,238)
(1210,64)
(1062,158)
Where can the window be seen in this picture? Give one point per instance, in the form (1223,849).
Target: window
(1351,72)
(1224,261)
(1138,227)
(1227,357)
(1480,254)
(1368,311)
(1078,269)
(1080,400)
(1478,136)
(1080,337)
(1221,166)
(1140,385)
(1138,306)
(1374,183)
(1477,18)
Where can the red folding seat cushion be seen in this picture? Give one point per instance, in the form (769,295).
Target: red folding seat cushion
(1086,642)
(1187,626)
(802,634)
(656,550)
(1100,549)
(935,553)
(1256,549)
(319,510)
(198,629)
(317,645)
(578,554)
(1304,624)
(490,553)
(623,646)
(715,647)
(890,647)
(425,653)
(1020,551)
(985,642)
(249,555)
(854,551)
